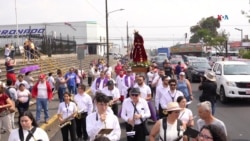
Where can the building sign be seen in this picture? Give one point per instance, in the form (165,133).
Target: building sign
(12,32)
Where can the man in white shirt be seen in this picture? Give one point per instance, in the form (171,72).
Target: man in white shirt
(85,107)
(103,120)
(135,111)
(161,90)
(113,94)
(170,96)
(157,78)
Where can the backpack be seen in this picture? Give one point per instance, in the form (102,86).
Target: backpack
(164,125)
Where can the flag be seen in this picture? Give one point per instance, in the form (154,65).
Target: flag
(68,24)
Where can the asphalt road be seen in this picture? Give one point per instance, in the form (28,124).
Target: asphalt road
(235,115)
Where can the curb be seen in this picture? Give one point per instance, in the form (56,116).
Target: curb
(53,119)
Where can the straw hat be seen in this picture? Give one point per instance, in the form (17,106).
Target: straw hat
(173,106)
(210,76)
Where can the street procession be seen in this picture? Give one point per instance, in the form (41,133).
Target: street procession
(124,70)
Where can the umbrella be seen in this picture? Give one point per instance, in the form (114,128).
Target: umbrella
(29,69)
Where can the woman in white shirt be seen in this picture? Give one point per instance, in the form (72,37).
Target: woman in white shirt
(186,115)
(23,97)
(28,129)
(66,113)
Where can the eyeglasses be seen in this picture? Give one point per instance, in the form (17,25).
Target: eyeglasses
(134,95)
(205,136)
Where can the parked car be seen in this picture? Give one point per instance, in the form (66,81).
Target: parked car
(197,69)
(174,63)
(233,79)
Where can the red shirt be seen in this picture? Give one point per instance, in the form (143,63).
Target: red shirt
(3,101)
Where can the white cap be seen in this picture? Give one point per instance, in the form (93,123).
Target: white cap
(182,73)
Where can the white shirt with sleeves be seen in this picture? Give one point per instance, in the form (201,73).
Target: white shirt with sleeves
(39,134)
(169,97)
(23,96)
(84,103)
(94,125)
(157,80)
(144,89)
(128,109)
(160,90)
(66,110)
(114,93)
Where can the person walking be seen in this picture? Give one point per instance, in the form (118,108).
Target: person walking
(102,119)
(135,111)
(184,86)
(23,98)
(60,85)
(43,94)
(10,71)
(67,111)
(208,86)
(28,128)
(85,108)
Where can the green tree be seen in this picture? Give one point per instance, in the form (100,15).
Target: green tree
(206,31)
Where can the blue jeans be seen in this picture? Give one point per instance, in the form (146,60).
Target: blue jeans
(42,103)
(61,92)
(72,89)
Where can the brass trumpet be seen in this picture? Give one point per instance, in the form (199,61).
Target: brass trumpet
(79,114)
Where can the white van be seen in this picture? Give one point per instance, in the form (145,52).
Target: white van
(233,79)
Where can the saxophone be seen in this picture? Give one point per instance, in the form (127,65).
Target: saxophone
(66,121)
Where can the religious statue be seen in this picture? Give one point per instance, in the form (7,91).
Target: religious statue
(138,53)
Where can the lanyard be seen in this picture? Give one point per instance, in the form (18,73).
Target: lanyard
(172,97)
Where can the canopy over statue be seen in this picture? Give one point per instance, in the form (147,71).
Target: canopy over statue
(138,53)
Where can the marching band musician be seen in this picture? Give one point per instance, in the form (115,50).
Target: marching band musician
(85,107)
(113,94)
(103,120)
(135,111)
(67,110)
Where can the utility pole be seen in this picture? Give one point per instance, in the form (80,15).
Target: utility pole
(226,49)
(127,40)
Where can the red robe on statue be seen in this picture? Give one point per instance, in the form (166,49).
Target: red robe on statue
(139,53)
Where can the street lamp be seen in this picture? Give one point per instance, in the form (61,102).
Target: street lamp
(107,27)
(241,30)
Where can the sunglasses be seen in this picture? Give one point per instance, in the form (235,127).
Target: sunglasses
(134,95)
(205,136)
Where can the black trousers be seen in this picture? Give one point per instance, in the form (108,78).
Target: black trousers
(90,80)
(161,115)
(21,107)
(139,134)
(115,109)
(69,129)
(81,126)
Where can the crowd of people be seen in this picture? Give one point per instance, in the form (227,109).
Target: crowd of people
(154,96)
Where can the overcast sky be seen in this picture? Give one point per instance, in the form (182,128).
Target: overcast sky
(160,22)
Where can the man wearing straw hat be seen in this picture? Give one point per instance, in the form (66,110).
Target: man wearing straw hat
(208,86)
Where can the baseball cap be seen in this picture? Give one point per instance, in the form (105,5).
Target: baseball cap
(135,91)
(110,83)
